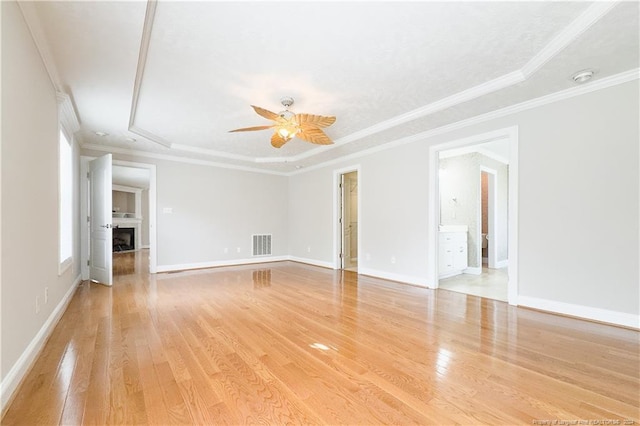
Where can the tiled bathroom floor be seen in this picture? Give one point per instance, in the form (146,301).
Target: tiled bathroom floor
(492,284)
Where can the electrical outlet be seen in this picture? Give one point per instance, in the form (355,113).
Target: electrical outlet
(368,256)
(238,249)
(393,259)
(46,295)
(37,304)
(309,249)
(226,249)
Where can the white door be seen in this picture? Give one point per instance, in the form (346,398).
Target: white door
(100,220)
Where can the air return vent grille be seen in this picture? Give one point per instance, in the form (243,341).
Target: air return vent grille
(262,245)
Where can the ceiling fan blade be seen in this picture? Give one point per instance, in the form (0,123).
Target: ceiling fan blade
(250,129)
(277,140)
(265,113)
(313,135)
(316,120)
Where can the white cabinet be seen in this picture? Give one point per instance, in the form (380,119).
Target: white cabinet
(452,255)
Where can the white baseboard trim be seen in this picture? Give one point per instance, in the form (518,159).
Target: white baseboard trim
(502,264)
(586,312)
(143,246)
(218,263)
(407,279)
(314,262)
(473,270)
(14,377)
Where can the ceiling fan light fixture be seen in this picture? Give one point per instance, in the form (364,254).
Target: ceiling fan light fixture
(287,125)
(283,132)
(287,132)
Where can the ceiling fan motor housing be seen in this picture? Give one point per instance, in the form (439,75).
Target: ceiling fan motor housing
(287,101)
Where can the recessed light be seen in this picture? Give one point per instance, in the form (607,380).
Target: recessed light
(130,139)
(299,167)
(101,134)
(583,76)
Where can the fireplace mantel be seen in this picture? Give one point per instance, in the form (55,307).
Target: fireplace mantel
(130,222)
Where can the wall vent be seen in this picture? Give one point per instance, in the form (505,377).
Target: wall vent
(262,245)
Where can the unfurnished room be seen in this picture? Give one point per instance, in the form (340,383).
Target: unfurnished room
(324,212)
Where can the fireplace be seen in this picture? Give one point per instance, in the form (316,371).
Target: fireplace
(124,239)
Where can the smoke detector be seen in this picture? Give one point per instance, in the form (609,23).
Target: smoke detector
(583,76)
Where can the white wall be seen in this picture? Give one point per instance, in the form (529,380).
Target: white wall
(124,202)
(310,225)
(29,201)
(213,208)
(578,163)
(393,213)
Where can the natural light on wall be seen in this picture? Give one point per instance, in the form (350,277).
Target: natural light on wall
(65,186)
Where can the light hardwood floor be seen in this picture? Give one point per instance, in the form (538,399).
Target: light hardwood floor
(290,343)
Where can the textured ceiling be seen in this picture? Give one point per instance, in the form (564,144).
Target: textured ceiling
(177,76)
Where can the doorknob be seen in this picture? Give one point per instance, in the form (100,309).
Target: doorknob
(108,225)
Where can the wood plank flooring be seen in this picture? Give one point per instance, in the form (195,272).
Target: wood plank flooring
(290,343)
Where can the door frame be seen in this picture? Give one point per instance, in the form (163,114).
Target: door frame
(84,212)
(510,134)
(492,224)
(337,226)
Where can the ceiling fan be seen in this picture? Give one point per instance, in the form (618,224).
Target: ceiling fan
(288,125)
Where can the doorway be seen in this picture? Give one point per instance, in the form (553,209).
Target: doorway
(451,212)
(349,221)
(488,246)
(469,225)
(146,204)
(347,218)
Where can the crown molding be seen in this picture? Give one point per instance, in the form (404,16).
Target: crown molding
(494,85)
(148,135)
(578,26)
(147,28)
(175,158)
(67,114)
(222,154)
(593,86)
(31,18)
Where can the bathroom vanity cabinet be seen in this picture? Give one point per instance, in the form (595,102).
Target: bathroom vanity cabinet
(452,251)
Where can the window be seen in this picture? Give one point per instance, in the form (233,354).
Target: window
(65,203)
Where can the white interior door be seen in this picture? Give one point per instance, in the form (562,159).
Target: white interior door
(100,260)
